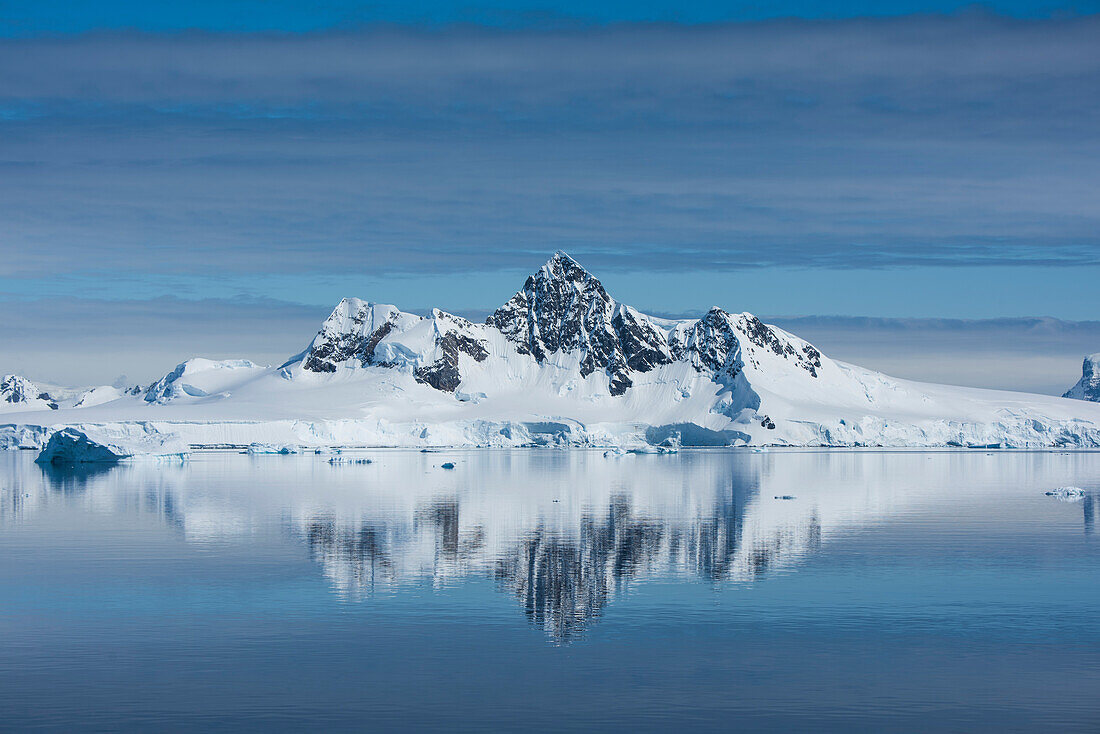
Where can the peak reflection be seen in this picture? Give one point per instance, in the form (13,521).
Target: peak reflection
(562,575)
(562,536)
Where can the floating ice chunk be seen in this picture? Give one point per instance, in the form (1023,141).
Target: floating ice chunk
(1067,494)
(447,465)
(86,444)
(270,448)
(654,450)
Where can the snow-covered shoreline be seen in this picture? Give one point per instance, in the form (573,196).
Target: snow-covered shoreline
(1021,434)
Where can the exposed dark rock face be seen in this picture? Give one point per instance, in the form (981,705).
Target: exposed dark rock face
(351,332)
(763,336)
(564,308)
(711,345)
(15,389)
(444,374)
(49,401)
(1088,387)
(349,346)
(161,389)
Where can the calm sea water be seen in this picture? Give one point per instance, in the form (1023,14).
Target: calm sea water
(553,591)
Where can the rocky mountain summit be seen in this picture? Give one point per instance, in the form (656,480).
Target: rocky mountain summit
(17,392)
(562,312)
(564,308)
(1088,387)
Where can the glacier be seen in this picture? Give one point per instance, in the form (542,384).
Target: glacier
(561,364)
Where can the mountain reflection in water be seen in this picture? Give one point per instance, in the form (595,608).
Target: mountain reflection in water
(562,578)
(561,533)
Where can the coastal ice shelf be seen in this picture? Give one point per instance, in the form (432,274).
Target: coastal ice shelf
(562,364)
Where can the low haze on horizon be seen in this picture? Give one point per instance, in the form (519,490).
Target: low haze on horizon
(916,185)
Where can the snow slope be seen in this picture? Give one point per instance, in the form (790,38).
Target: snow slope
(563,363)
(200,378)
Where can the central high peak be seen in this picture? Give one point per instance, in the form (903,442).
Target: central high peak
(563,267)
(564,308)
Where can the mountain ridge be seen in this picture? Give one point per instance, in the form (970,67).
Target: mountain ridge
(564,363)
(561,308)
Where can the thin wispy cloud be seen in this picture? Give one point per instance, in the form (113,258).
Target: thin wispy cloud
(917,141)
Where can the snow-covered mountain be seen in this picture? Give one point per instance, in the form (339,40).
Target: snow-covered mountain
(1088,387)
(564,363)
(200,378)
(565,329)
(17,393)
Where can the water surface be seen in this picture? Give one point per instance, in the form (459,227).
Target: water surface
(553,590)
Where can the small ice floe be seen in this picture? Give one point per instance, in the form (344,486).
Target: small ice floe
(614,452)
(447,465)
(784,497)
(760,450)
(1067,494)
(92,444)
(270,448)
(344,460)
(654,450)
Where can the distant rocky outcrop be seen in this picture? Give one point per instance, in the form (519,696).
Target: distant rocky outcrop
(1088,387)
(19,393)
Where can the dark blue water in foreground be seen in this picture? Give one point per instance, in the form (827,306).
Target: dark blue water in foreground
(551,591)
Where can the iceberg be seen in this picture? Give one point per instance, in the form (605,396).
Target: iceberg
(267,448)
(110,444)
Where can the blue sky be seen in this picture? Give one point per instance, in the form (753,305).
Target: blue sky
(918,160)
(74,16)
